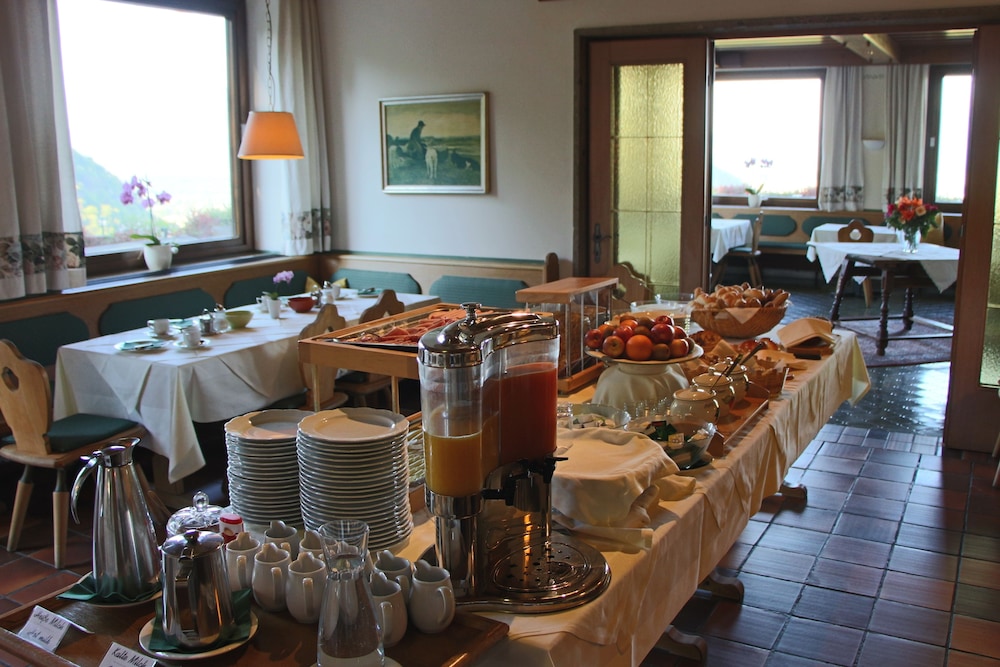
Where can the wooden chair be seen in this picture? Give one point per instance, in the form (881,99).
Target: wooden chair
(317,378)
(36,441)
(748,253)
(359,385)
(856,231)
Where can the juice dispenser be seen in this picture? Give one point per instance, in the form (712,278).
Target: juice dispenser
(488,395)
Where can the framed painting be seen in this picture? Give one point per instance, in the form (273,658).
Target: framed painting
(435,144)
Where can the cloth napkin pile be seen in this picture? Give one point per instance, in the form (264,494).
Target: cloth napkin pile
(609,482)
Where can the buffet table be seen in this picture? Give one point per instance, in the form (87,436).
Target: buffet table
(168,389)
(648,586)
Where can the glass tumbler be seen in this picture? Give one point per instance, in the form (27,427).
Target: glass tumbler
(348,629)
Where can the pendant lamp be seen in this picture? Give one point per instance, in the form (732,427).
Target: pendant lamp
(270,135)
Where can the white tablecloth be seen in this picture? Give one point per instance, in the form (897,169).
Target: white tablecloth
(649,587)
(827,233)
(729,233)
(939,262)
(169,389)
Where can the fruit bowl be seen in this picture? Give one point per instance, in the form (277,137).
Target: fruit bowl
(696,352)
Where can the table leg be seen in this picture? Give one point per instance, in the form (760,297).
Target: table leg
(908,309)
(681,644)
(846,268)
(882,339)
(797,491)
(723,586)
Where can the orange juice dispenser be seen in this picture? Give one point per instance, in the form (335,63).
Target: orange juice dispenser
(488,395)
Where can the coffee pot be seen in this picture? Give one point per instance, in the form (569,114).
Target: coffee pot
(125,547)
(197,603)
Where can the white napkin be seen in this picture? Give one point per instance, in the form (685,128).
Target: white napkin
(606,472)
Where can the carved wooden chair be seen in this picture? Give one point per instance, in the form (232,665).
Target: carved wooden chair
(38,441)
(360,385)
(856,231)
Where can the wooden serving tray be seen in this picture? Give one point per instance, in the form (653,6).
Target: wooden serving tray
(280,640)
(742,413)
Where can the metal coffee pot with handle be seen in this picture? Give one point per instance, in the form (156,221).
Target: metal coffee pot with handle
(197,603)
(125,551)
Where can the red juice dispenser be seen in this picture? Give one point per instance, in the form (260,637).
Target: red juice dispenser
(488,398)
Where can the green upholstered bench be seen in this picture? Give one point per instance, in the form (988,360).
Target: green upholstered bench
(39,338)
(776,232)
(134,313)
(363,278)
(495,292)
(245,292)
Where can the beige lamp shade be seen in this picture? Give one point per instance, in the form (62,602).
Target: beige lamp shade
(270,135)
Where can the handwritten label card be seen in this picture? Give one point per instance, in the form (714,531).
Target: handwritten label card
(44,629)
(119,656)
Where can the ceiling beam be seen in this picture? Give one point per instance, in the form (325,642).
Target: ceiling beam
(877,49)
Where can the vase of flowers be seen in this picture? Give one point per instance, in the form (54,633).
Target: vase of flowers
(913,219)
(158,255)
(270,299)
(754,196)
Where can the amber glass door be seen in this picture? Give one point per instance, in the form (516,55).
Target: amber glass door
(647,166)
(970,421)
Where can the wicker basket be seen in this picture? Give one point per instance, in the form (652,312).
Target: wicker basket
(725,324)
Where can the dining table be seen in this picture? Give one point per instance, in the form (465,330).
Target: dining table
(729,233)
(828,233)
(167,387)
(650,584)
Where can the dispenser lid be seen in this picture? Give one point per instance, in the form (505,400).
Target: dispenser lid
(201,515)
(467,341)
(192,544)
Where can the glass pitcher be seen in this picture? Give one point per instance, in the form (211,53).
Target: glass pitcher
(349,633)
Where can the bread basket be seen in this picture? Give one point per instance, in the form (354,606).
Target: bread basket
(734,325)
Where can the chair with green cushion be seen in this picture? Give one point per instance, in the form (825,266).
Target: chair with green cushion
(401,283)
(245,292)
(134,313)
(36,441)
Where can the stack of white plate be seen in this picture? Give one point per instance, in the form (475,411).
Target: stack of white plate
(353,464)
(263,468)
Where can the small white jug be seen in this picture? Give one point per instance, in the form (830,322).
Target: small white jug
(396,568)
(283,536)
(240,560)
(311,543)
(432,599)
(390,608)
(305,587)
(270,571)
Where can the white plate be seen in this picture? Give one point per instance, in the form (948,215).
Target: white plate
(140,345)
(695,353)
(354,425)
(267,425)
(146,634)
(204,342)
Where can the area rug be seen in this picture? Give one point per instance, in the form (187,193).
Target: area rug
(900,352)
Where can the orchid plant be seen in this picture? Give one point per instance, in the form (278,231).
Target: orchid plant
(280,277)
(141,190)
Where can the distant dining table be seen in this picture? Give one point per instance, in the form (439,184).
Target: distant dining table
(828,233)
(169,388)
(932,264)
(729,233)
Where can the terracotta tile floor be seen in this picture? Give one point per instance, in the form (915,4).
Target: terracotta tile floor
(893,560)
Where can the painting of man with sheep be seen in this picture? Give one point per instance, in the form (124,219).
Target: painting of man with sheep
(434,144)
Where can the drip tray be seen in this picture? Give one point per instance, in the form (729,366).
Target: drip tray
(528,578)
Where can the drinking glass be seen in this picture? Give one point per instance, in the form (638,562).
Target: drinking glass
(348,628)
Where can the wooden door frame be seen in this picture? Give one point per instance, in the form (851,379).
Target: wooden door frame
(965,425)
(896,21)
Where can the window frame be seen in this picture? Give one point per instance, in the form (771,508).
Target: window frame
(935,81)
(758,74)
(234,11)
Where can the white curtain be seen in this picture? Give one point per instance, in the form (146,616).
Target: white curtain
(905,128)
(41,239)
(292,197)
(841,174)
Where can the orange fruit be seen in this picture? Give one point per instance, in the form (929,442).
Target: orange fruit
(639,348)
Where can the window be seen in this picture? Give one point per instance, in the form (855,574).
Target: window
(151,91)
(766,134)
(949,97)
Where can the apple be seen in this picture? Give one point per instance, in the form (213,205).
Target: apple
(623,331)
(665,319)
(606,329)
(613,346)
(641,330)
(679,347)
(679,332)
(646,321)
(594,339)
(662,332)
(661,352)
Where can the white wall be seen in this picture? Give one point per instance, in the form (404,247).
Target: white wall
(520,52)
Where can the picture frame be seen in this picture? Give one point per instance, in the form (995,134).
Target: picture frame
(435,144)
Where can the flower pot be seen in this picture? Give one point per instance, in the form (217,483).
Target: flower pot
(754,201)
(911,240)
(158,257)
(274,308)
